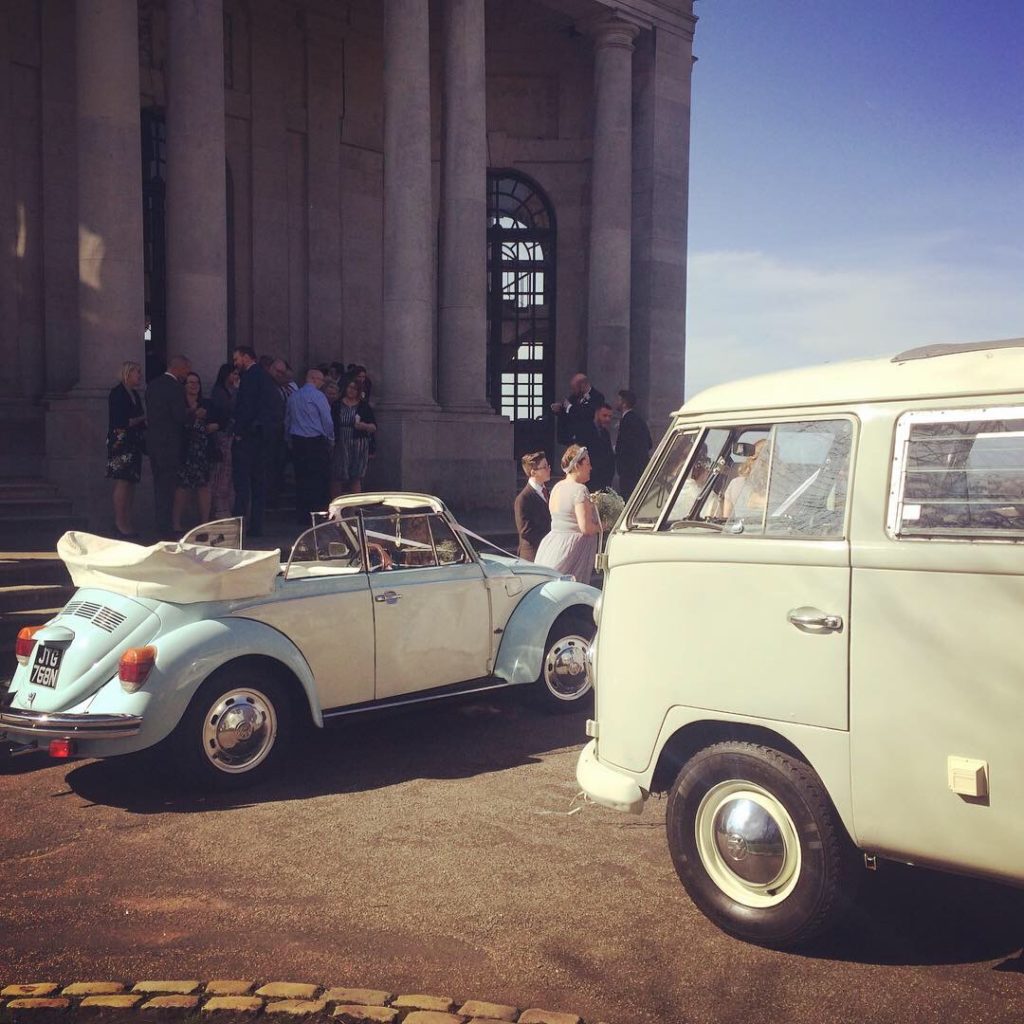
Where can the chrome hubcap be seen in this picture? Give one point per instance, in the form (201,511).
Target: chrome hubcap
(748,843)
(239,731)
(565,668)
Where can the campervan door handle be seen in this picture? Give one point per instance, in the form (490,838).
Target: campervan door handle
(813,619)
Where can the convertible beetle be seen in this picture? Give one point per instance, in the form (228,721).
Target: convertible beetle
(219,652)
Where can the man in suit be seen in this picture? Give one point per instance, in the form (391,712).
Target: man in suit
(633,445)
(533,518)
(599,447)
(166,415)
(576,411)
(255,418)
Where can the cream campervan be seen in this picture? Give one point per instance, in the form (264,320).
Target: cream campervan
(811,634)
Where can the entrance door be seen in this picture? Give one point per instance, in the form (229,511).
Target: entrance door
(521,309)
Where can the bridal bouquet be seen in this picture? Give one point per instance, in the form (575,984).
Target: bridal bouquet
(609,507)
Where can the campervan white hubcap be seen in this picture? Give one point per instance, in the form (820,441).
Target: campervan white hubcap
(239,731)
(748,843)
(565,668)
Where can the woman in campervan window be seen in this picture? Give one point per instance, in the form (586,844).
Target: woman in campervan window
(746,495)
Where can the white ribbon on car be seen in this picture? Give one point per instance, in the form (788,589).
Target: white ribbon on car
(484,540)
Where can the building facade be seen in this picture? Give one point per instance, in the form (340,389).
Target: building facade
(473,198)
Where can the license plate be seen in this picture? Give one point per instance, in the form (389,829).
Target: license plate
(46,666)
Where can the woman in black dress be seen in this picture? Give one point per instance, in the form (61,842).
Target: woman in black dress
(126,444)
(194,475)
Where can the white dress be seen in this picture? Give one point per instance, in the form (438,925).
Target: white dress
(565,548)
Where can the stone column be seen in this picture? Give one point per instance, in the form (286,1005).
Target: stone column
(462,368)
(110,274)
(111,306)
(661,169)
(408,217)
(610,203)
(196,214)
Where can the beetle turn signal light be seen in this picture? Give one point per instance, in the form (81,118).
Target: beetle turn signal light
(25,643)
(134,667)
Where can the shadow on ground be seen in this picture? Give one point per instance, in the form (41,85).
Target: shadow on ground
(914,916)
(450,741)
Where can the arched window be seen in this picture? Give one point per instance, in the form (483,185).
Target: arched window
(520,305)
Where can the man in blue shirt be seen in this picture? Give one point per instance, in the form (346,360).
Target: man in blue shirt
(310,432)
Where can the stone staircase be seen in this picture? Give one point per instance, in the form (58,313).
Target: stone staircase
(33,588)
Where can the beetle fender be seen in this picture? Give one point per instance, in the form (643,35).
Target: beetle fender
(189,655)
(522,646)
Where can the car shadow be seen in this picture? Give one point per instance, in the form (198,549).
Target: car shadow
(907,916)
(455,739)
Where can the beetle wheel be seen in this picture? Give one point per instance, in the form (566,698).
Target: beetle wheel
(564,680)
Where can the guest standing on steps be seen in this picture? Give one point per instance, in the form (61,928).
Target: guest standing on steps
(126,444)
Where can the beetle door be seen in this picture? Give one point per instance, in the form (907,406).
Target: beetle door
(431,610)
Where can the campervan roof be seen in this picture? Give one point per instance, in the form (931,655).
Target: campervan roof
(979,368)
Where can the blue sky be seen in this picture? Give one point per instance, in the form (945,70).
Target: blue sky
(856,180)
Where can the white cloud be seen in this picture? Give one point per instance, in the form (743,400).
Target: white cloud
(750,313)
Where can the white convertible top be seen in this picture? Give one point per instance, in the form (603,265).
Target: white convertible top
(168,570)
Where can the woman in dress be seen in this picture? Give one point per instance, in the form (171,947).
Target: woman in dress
(351,443)
(571,545)
(194,475)
(222,398)
(126,443)
(745,496)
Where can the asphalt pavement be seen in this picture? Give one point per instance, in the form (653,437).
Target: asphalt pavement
(446,851)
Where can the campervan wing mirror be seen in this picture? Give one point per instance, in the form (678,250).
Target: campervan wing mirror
(743,448)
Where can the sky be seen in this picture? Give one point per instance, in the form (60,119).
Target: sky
(856,180)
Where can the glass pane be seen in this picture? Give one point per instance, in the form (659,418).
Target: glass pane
(449,550)
(660,486)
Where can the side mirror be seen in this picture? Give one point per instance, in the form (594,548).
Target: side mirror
(743,448)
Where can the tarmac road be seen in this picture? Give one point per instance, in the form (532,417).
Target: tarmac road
(436,852)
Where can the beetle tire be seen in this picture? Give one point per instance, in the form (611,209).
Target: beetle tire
(560,687)
(758,846)
(235,731)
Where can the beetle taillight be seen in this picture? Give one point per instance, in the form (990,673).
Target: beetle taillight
(25,643)
(134,667)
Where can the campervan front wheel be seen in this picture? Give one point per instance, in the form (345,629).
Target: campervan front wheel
(757,844)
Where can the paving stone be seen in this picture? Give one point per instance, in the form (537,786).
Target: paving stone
(38,1004)
(297,1007)
(358,996)
(548,1017)
(366,1014)
(174,988)
(234,1004)
(229,987)
(93,988)
(432,1017)
(172,1003)
(111,1002)
(287,990)
(439,1004)
(488,1011)
(36,989)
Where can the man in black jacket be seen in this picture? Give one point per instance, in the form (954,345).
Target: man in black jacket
(533,518)
(633,445)
(599,447)
(576,411)
(255,419)
(166,415)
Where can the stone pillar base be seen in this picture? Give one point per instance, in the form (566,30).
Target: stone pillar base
(464,458)
(76,459)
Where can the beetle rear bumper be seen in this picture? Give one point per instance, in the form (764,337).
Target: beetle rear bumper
(606,786)
(18,724)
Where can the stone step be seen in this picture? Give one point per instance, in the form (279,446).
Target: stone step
(30,568)
(17,486)
(19,506)
(27,596)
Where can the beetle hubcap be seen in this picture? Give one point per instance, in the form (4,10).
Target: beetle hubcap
(239,731)
(748,843)
(565,668)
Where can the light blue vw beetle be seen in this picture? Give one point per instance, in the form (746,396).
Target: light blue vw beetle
(220,653)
